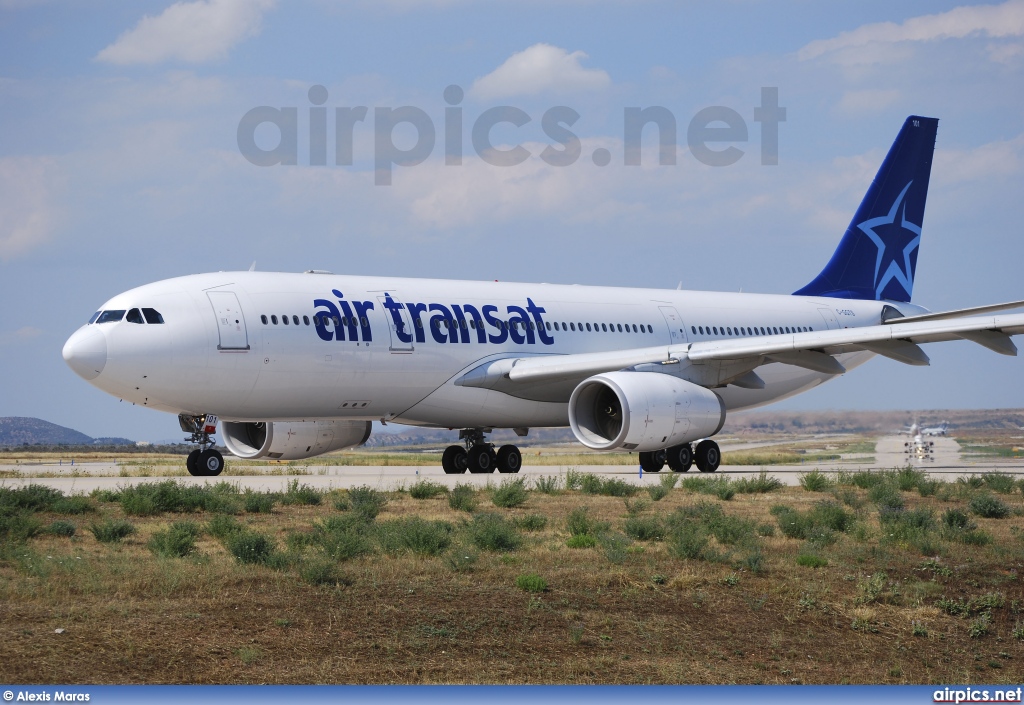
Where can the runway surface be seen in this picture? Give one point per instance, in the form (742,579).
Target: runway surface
(890,452)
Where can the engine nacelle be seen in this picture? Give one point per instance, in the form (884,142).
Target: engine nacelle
(642,411)
(294,440)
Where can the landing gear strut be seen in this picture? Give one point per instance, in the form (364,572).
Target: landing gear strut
(478,456)
(204,461)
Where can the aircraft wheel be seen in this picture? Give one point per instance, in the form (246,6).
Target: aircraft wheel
(480,459)
(509,459)
(652,461)
(708,456)
(454,461)
(192,463)
(210,463)
(680,458)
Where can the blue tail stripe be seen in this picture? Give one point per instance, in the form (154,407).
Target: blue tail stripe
(877,257)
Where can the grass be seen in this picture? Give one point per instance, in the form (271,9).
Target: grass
(258,502)
(988,506)
(510,493)
(531,582)
(367,501)
(755,583)
(177,541)
(425,489)
(463,498)
(648,528)
(816,481)
(251,547)
(416,535)
(112,530)
(62,528)
(492,532)
(301,494)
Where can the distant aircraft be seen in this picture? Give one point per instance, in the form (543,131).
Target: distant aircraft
(939,430)
(296,365)
(919,448)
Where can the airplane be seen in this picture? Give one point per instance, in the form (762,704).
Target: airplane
(939,430)
(915,429)
(294,365)
(917,447)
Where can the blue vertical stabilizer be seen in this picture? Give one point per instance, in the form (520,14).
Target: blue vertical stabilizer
(877,257)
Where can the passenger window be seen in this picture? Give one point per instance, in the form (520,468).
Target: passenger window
(273,319)
(573,327)
(603,327)
(94,317)
(295,320)
(650,328)
(134,316)
(110,316)
(419,323)
(152,315)
(305,319)
(588,327)
(728,330)
(264,319)
(284,319)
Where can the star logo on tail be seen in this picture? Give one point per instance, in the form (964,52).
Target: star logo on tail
(896,238)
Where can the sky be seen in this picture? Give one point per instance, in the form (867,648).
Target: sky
(120,159)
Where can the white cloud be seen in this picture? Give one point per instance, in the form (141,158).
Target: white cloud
(872,100)
(27,214)
(538,69)
(20,335)
(192,32)
(1006,20)
(993,161)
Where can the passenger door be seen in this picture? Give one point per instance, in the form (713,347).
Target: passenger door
(676,329)
(404,326)
(230,321)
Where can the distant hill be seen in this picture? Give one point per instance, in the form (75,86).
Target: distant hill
(22,430)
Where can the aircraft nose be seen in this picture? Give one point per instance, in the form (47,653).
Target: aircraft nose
(86,352)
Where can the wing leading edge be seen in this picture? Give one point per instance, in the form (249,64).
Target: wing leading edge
(813,350)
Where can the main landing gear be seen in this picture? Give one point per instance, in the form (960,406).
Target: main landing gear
(204,461)
(478,456)
(707,457)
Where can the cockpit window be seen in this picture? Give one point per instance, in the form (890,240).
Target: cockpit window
(95,316)
(111,316)
(152,315)
(134,316)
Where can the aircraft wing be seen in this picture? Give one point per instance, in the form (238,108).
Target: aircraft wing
(813,350)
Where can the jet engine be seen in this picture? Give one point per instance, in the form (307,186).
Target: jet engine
(293,440)
(642,411)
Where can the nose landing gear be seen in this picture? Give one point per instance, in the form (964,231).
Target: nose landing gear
(205,461)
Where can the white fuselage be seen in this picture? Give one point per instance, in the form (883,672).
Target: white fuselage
(384,347)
